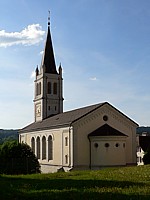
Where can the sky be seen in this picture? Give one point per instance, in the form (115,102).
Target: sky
(102,45)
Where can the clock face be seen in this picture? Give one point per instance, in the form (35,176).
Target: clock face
(38,110)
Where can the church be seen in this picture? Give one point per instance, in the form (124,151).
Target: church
(90,137)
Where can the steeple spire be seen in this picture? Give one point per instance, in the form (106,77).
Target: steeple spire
(48,61)
(48,99)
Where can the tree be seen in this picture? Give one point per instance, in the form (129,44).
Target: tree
(146,158)
(18,158)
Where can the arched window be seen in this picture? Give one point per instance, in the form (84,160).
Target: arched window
(50,148)
(55,88)
(33,144)
(38,147)
(39,88)
(49,88)
(43,147)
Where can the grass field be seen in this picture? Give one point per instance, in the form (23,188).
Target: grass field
(111,183)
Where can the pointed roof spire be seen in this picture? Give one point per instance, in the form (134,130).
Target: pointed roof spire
(48,56)
(37,71)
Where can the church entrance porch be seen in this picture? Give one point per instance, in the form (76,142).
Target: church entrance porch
(107,147)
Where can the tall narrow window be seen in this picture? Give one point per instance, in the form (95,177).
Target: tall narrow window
(38,147)
(66,159)
(49,88)
(55,88)
(43,147)
(66,141)
(33,144)
(50,148)
(39,88)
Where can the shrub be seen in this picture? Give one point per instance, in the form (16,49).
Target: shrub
(18,158)
(146,158)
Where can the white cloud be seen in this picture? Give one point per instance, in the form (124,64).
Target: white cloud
(31,35)
(93,79)
(41,53)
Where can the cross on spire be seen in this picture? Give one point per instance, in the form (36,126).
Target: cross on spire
(48,17)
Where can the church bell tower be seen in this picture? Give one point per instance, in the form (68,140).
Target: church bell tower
(48,100)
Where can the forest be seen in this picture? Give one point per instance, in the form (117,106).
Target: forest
(7,135)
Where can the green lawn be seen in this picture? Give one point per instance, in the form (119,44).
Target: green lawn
(111,183)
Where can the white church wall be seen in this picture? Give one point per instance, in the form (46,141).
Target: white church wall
(120,122)
(61,148)
(108,151)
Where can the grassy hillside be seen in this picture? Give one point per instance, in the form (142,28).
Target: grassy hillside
(111,183)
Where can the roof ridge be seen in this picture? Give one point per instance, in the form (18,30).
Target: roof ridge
(88,106)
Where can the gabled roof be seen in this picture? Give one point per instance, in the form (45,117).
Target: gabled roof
(106,130)
(48,56)
(61,119)
(66,118)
